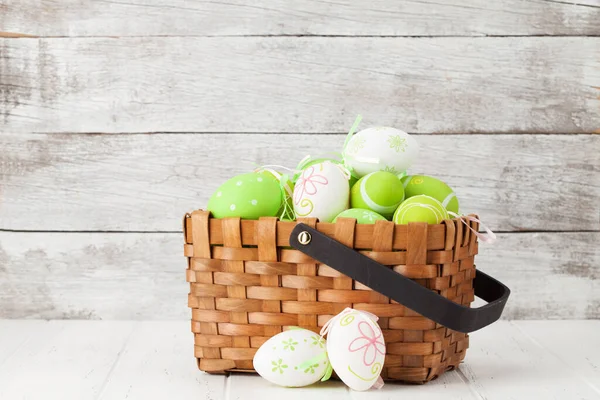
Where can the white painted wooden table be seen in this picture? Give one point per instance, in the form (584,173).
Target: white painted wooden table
(153,360)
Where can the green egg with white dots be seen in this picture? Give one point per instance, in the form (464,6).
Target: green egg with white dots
(248,196)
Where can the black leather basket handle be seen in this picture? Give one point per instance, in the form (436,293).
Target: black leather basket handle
(401,289)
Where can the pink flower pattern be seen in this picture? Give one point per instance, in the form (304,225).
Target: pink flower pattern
(371,343)
(307,184)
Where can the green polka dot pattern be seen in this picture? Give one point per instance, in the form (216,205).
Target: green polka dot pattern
(248,196)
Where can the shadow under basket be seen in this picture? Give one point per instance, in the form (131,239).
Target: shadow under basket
(252,279)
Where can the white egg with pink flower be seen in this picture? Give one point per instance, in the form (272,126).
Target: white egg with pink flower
(356,348)
(322,191)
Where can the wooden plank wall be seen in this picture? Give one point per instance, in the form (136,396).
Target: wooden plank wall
(117,117)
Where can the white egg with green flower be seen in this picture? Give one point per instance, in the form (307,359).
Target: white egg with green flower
(294,358)
(380,149)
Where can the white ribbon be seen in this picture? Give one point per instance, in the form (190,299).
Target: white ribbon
(489,238)
(378,383)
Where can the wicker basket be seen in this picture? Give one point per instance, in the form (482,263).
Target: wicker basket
(247,284)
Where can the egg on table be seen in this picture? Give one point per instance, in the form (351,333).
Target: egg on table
(356,349)
(294,358)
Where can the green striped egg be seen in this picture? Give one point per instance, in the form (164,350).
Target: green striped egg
(381,192)
(422,184)
(420,208)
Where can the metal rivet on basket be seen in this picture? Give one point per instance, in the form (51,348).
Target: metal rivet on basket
(304,238)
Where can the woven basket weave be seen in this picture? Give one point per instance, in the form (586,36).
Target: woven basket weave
(247,284)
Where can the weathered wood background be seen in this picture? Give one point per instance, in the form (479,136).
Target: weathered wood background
(119,116)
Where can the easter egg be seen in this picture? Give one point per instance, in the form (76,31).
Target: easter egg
(292,358)
(322,191)
(381,149)
(361,215)
(379,191)
(247,196)
(421,184)
(308,161)
(286,212)
(356,349)
(303,164)
(420,208)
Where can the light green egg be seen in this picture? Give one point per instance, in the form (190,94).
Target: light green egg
(248,196)
(421,208)
(379,191)
(361,215)
(421,184)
